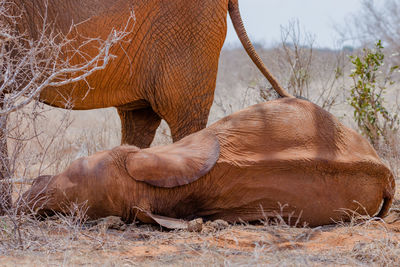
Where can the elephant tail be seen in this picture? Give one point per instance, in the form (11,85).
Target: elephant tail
(387,202)
(388,195)
(248,46)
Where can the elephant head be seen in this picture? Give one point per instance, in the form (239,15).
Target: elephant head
(122,181)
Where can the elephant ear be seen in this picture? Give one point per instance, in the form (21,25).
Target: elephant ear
(177,164)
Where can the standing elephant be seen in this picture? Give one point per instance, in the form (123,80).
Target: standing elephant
(167,70)
(243,167)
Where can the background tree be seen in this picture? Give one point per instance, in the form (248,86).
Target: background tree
(376,20)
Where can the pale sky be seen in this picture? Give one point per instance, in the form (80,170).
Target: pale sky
(263,19)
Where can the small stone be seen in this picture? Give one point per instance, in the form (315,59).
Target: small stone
(207,229)
(195,225)
(219,225)
(112,222)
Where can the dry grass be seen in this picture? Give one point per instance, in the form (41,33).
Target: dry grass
(45,141)
(67,241)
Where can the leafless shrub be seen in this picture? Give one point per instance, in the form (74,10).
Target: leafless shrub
(30,63)
(297,50)
(308,72)
(27,65)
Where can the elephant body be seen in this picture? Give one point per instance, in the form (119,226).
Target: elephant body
(285,158)
(165,69)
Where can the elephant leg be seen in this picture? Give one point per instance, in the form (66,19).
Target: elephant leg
(178,132)
(190,121)
(138,127)
(188,112)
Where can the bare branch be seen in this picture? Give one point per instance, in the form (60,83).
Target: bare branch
(28,66)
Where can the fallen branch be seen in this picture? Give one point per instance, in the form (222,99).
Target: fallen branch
(17,181)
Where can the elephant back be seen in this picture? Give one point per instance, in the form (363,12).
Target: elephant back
(288,130)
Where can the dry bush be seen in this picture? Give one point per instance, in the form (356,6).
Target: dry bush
(317,75)
(27,65)
(31,61)
(37,149)
(297,49)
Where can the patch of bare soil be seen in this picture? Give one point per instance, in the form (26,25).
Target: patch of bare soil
(64,241)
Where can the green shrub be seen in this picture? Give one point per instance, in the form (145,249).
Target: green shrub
(367,95)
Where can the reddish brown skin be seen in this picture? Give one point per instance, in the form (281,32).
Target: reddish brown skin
(287,152)
(165,69)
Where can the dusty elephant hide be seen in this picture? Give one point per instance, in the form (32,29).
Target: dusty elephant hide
(286,157)
(165,68)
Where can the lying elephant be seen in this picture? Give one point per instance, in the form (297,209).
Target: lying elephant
(244,167)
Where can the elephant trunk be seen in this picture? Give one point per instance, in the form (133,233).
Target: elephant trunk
(248,46)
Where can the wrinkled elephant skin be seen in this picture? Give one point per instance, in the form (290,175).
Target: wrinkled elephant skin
(166,68)
(286,157)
